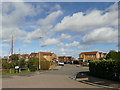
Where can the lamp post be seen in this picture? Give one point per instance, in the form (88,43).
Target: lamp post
(39,60)
(39,55)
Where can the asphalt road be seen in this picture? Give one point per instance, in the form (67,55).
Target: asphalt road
(52,79)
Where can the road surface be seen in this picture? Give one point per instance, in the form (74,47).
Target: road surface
(52,79)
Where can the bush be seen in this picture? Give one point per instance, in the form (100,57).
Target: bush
(31,64)
(5,65)
(108,69)
(22,63)
(44,65)
(32,68)
(76,62)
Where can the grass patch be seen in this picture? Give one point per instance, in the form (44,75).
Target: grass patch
(12,72)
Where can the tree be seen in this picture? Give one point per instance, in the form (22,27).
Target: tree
(14,57)
(113,55)
(22,63)
(33,64)
(6,65)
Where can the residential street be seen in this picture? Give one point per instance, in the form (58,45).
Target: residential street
(52,79)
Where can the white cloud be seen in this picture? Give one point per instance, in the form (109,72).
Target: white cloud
(79,22)
(44,30)
(49,41)
(8,32)
(13,16)
(101,35)
(74,44)
(50,19)
(65,37)
(4,45)
(63,51)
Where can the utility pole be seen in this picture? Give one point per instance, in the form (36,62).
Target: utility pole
(12,46)
(39,60)
(39,55)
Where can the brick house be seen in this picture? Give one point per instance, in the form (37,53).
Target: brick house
(26,56)
(65,58)
(33,54)
(46,56)
(87,56)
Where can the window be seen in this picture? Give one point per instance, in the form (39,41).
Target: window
(81,55)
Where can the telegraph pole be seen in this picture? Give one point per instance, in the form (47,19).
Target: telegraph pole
(39,54)
(12,46)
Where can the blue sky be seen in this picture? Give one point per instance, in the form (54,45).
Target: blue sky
(66,28)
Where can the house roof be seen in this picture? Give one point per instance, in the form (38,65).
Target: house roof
(65,56)
(42,58)
(46,53)
(33,54)
(105,53)
(89,53)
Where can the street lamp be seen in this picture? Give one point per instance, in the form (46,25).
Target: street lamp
(39,55)
(39,60)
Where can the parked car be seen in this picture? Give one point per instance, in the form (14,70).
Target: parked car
(61,63)
(85,64)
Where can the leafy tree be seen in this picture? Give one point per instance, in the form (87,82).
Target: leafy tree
(22,63)
(33,63)
(14,57)
(113,55)
(5,65)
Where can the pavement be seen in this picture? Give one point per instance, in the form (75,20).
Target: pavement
(59,77)
(85,77)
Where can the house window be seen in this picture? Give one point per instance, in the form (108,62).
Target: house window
(81,55)
(45,56)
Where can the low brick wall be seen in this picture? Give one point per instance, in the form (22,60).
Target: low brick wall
(0,70)
(5,70)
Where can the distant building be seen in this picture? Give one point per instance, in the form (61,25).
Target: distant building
(32,55)
(94,55)
(65,58)
(6,57)
(43,56)
(47,56)
(26,56)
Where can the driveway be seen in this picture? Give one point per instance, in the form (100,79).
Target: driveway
(52,79)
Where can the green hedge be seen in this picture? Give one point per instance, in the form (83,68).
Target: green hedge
(77,62)
(44,65)
(108,69)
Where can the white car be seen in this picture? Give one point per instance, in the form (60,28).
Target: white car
(61,63)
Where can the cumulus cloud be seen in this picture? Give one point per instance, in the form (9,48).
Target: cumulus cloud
(49,41)
(63,51)
(13,16)
(4,45)
(74,44)
(82,22)
(101,35)
(65,37)
(46,25)
(50,19)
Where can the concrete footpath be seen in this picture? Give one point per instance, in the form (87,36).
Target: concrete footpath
(85,77)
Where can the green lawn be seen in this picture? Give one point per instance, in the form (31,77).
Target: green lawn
(12,72)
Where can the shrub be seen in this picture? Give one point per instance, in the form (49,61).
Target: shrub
(5,65)
(22,63)
(32,68)
(108,69)
(76,62)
